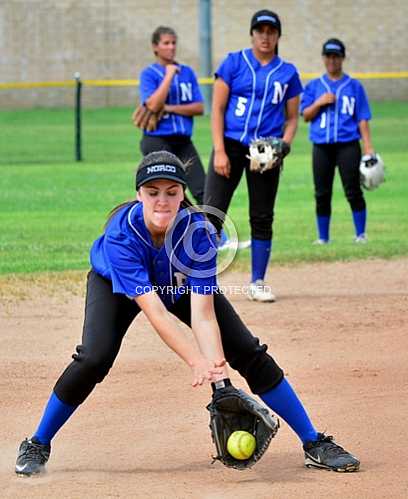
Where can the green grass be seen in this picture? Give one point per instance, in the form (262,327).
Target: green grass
(52,208)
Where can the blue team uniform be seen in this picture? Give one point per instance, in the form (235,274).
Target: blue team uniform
(184,89)
(125,264)
(337,122)
(258,94)
(256,108)
(125,255)
(335,134)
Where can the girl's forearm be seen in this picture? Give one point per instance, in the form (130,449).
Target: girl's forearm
(366,137)
(290,130)
(310,112)
(208,338)
(217,126)
(193,109)
(156,101)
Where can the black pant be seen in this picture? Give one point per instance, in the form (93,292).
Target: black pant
(262,190)
(107,318)
(345,155)
(184,149)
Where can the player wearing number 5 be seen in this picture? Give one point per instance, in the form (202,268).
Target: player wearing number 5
(256,94)
(171,89)
(337,108)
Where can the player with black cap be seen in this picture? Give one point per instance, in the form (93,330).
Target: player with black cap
(157,255)
(266,17)
(256,95)
(337,108)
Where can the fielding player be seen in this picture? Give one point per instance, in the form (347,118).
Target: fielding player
(338,110)
(136,267)
(256,94)
(172,88)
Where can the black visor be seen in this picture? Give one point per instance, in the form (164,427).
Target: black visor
(265,17)
(160,171)
(334,46)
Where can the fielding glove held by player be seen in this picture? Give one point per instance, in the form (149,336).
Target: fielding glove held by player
(371,171)
(268,153)
(146,119)
(233,410)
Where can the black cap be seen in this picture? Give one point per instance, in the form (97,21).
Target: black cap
(160,165)
(266,17)
(334,46)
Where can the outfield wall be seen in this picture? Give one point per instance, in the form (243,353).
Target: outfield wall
(49,40)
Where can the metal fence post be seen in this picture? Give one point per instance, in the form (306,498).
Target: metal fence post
(205,49)
(78,138)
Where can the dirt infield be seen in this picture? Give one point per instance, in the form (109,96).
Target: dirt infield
(339,330)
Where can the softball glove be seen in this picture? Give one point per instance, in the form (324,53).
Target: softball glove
(268,153)
(233,410)
(146,119)
(371,171)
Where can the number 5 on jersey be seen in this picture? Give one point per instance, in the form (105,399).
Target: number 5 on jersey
(241,105)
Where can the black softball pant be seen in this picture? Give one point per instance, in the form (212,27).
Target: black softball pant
(347,156)
(262,190)
(107,318)
(184,149)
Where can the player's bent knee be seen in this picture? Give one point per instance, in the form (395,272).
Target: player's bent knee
(259,369)
(264,375)
(93,365)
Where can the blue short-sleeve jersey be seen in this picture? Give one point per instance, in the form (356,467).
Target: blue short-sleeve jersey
(257,95)
(125,255)
(337,122)
(184,89)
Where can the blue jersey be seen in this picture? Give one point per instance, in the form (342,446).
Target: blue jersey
(184,89)
(337,122)
(125,255)
(257,95)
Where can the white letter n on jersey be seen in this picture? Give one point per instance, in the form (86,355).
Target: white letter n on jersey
(186,92)
(348,105)
(279,92)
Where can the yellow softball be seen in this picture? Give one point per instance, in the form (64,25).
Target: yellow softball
(241,445)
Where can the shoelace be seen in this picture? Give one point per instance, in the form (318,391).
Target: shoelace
(34,451)
(332,446)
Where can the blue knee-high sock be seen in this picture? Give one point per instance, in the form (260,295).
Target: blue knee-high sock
(359,219)
(261,251)
(323,226)
(55,415)
(283,400)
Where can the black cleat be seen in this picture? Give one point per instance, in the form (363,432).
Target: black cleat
(32,457)
(326,454)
